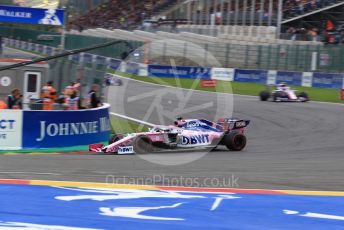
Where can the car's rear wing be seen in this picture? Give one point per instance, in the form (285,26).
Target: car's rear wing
(240,124)
(231,124)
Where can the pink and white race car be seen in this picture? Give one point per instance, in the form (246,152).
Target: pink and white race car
(190,134)
(283,93)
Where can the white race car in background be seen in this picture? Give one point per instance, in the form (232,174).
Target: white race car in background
(185,135)
(283,93)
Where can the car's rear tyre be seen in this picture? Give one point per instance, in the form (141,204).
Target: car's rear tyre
(264,95)
(118,82)
(142,145)
(115,137)
(235,141)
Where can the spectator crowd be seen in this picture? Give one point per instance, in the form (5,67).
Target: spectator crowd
(68,100)
(329,33)
(292,8)
(118,14)
(13,100)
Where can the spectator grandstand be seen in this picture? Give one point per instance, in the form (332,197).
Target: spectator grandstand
(238,33)
(294,8)
(119,14)
(36,3)
(216,18)
(116,14)
(227,29)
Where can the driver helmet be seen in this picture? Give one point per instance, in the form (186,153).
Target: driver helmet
(282,84)
(179,122)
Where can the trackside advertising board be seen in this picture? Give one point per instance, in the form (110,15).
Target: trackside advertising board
(28,15)
(11,129)
(132,68)
(179,72)
(224,74)
(45,129)
(114,63)
(291,78)
(251,75)
(307,79)
(326,80)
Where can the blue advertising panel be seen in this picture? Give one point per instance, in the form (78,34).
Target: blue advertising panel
(101,60)
(17,43)
(39,48)
(24,45)
(74,57)
(246,75)
(32,47)
(133,68)
(328,80)
(88,58)
(45,129)
(114,63)
(28,15)
(179,72)
(291,78)
(49,50)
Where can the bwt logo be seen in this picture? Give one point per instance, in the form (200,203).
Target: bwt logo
(7,124)
(194,140)
(126,150)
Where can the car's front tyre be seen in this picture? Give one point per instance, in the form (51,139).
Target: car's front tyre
(116,137)
(264,95)
(142,145)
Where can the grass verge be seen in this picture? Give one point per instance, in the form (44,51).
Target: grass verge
(121,125)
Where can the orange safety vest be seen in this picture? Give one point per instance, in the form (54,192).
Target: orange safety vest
(49,92)
(46,91)
(49,97)
(3,105)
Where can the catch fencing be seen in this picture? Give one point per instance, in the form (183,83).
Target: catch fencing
(249,56)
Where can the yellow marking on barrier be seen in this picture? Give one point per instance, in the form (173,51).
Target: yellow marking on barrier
(312,193)
(91,185)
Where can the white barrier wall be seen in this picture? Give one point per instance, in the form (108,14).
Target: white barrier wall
(33,129)
(11,123)
(225,74)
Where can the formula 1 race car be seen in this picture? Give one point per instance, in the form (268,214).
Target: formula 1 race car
(191,134)
(283,93)
(112,80)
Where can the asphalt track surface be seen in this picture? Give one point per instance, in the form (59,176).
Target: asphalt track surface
(290,146)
